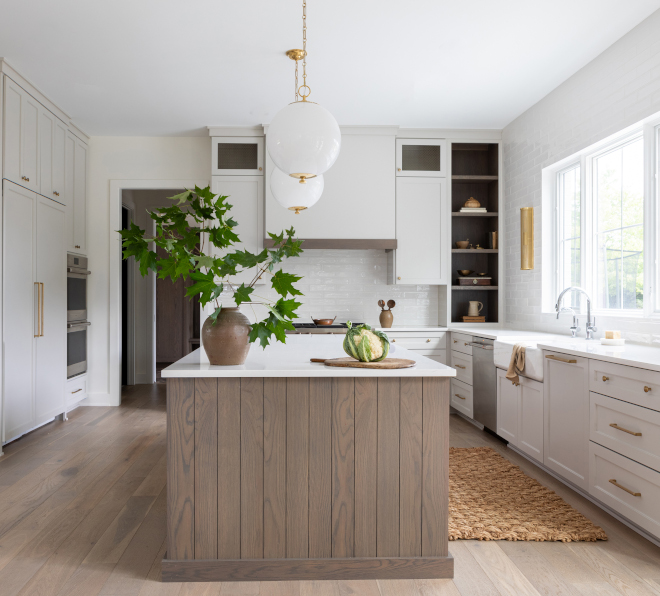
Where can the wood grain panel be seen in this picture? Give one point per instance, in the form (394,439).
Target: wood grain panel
(343,466)
(387,507)
(435,466)
(366,465)
(252,468)
(206,468)
(297,480)
(320,467)
(229,468)
(307,569)
(275,468)
(410,466)
(181,468)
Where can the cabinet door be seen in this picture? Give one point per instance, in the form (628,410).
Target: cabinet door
(58,192)
(508,404)
(80,197)
(21,136)
(46,135)
(51,345)
(237,156)
(421,157)
(19,308)
(566,419)
(530,434)
(421,231)
(69,184)
(246,195)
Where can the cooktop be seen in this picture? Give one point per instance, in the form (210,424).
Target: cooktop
(315,326)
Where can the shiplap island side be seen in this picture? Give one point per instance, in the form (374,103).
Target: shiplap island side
(283,469)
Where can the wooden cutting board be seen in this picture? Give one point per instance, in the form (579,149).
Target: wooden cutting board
(388,363)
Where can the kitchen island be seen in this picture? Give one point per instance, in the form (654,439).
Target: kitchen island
(283,469)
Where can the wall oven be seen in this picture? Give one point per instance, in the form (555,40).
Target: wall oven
(76,288)
(77,324)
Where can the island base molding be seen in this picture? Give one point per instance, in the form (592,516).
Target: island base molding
(213,570)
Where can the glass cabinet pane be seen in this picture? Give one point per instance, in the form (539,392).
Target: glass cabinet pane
(238,156)
(420,158)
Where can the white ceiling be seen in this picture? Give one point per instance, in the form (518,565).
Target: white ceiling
(172,67)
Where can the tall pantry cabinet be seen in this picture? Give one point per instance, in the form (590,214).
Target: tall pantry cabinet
(44,179)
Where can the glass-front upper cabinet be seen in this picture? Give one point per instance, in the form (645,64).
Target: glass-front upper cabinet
(421,157)
(237,156)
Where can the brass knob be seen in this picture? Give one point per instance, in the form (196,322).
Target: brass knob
(394,341)
(260,169)
(428,340)
(57,194)
(455,341)
(605,379)
(77,245)
(646,389)
(398,278)
(25,178)
(399,169)
(467,343)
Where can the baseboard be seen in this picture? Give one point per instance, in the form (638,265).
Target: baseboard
(625,521)
(227,570)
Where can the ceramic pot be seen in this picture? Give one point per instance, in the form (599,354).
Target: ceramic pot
(386,318)
(226,341)
(474,308)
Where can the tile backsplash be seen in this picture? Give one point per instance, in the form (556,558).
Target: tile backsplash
(348,284)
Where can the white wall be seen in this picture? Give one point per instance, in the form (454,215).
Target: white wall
(617,89)
(125,158)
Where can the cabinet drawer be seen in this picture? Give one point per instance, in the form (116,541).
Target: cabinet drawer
(435,341)
(461,343)
(629,383)
(76,390)
(437,355)
(463,365)
(640,507)
(626,428)
(461,397)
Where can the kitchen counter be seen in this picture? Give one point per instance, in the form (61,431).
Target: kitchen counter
(646,357)
(491,333)
(274,468)
(292,360)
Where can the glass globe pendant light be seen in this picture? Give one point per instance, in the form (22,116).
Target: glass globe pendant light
(303,139)
(295,196)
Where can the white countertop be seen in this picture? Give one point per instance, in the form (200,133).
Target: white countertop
(420,328)
(292,360)
(646,357)
(491,333)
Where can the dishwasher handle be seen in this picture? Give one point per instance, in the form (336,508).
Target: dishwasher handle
(476,344)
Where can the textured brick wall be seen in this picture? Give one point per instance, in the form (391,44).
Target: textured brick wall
(617,89)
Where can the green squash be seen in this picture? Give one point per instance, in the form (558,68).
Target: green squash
(366,344)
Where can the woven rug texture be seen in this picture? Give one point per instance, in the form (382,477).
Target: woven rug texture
(492,499)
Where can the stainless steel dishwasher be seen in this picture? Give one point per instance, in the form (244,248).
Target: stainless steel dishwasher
(484,383)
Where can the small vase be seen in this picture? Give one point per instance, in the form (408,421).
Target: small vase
(386,318)
(226,341)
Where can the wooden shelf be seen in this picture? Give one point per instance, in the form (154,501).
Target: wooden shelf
(487,214)
(474,250)
(470,179)
(474,287)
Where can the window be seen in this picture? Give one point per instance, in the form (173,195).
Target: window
(606,217)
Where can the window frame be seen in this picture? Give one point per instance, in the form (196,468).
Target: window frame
(649,131)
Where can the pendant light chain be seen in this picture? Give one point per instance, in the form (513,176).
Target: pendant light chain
(295,88)
(304,64)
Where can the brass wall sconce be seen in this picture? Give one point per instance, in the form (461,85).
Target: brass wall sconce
(526,238)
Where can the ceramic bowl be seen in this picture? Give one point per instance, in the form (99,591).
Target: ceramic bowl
(464,272)
(482,274)
(462,244)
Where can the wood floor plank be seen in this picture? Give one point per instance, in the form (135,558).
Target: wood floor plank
(469,577)
(152,586)
(542,576)
(437,587)
(398,587)
(319,588)
(241,589)
(358,588)
(596,589)
(506,577)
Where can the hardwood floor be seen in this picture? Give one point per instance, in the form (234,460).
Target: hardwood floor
(82,512)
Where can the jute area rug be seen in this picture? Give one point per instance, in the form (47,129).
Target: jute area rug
(492,499)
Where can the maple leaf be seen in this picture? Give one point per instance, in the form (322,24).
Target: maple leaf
(242,294)
(282,281)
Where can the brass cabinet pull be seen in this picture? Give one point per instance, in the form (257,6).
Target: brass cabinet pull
(459,396)
(398,278)
(630,492)
(398,169)
(394,341)
(77,246)
(455,341)
(25,178)
(428,340)
(605,379)
(77,390)
(57,194)
(459,366)
(625,430)
(646,389)
(40,309)
(467,343)
(260,169)
(558,359)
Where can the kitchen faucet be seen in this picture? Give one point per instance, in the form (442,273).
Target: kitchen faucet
(591,326)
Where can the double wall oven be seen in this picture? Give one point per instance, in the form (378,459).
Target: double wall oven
(77,323)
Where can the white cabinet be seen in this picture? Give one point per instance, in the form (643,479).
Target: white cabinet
(566,417)
(358,200)
(432,343)
(34,309)
(246,196)
(21,136)
(421,157)
(422,228)
(76,391)
(237,156)
(52,134)
(508,406)
(75,193)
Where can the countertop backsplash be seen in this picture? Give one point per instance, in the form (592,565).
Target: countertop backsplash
(348,284)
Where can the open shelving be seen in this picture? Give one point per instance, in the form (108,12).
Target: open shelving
(475,173)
